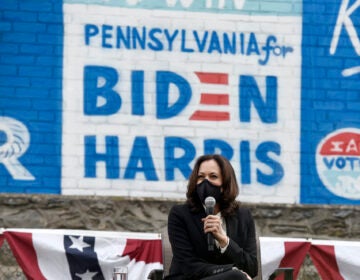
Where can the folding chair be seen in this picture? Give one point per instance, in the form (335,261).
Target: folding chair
(288,273)
(156,274)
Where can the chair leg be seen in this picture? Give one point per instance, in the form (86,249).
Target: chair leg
(288,273)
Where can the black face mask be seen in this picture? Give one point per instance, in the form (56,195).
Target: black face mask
(205,189)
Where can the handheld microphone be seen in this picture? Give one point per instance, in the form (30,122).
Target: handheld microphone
(209,209)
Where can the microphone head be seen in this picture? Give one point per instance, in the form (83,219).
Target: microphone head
(210,202)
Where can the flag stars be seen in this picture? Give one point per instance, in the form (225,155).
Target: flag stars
(79,244)
(87,275)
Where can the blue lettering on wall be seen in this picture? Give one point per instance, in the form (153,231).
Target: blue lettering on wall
(253,47)
(104,100)
(179,154)
(101,100)
(170,37)
(249,93)
(155,44)
(123,38)
(183,163)
(341,162)
(139,38)
(140,161)
(329,163)
(106,30)
(262,154)
(163,81)
(201,41)
(183,40)
(229,44)
(110,157)
(214,43)
(137,93)
(216,146)
(90,31)
(271,49)
(245,159)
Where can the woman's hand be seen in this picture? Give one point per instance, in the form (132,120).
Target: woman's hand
(212,224)
(247,275)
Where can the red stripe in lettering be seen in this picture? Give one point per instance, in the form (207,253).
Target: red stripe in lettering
(200,115)
(214,99)
(213,78)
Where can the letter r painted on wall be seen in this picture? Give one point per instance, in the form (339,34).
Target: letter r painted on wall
(14,141)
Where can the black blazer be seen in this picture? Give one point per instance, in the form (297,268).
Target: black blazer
(191,258)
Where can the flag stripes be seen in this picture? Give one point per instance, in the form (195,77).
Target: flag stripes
(83,255)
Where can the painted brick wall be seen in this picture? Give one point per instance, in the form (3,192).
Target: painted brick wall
(330,116)
(30,94)
(119,98)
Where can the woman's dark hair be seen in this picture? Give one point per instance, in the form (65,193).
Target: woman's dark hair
(228,203)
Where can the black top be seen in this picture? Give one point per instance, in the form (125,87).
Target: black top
(191,257)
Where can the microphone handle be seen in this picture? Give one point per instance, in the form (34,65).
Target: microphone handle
(210,241)
(210,237)
(209,210)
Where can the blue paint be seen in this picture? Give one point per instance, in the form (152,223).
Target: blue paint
(249,93)
(110,157)
(141,161)
(109,99)
(163,81)
(262,154)
(160,39)
(29,46)
(327,95)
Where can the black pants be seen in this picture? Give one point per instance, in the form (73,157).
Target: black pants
(228,275)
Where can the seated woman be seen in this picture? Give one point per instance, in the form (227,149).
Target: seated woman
(232,227)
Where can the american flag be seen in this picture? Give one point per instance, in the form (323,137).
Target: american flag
(84,255)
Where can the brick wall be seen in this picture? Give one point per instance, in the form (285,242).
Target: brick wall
(119,98)
(30,93)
